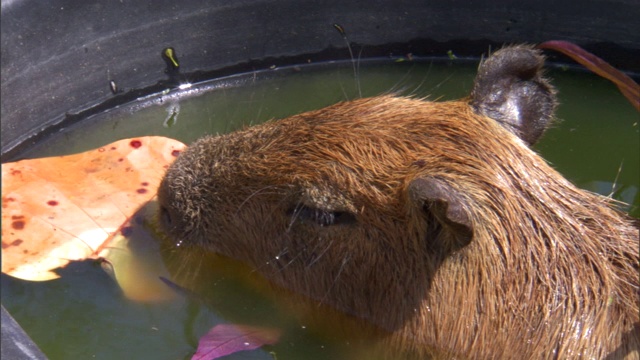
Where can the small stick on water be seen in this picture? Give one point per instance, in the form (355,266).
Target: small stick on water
(353,59)
(187,293)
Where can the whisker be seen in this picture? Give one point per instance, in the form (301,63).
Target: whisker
(284,251)
(259,191)
(357,72)
(320,255)
(398,87)
(300,254)
(294,216)
(417,88)
(344,92)
(445,80)
(335,279)
(354,63)
(615,181)
(291,261)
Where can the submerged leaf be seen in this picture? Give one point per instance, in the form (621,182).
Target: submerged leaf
(134,261)
(225,339)
(629,88)
(64,208)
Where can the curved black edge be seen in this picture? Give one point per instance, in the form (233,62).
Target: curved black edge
(59,56)
(16,344)
(466,51)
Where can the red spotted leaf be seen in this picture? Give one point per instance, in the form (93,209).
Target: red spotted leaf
(225,339)
(629,88)
(59,209)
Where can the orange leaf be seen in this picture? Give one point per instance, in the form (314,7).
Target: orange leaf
(60,209)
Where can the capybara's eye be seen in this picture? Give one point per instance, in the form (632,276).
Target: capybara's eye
(322,217)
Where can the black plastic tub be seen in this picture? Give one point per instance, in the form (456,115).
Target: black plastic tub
(59,57)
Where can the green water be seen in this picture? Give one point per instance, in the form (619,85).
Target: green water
(83,315)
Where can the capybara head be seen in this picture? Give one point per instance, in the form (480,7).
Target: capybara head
(432,220)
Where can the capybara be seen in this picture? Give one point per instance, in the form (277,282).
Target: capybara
(434,221)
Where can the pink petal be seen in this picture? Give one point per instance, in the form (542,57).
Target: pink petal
(225,339)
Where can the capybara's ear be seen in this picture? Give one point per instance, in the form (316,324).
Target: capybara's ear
(510,88)
(446,205)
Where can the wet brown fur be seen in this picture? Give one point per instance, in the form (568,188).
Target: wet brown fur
(536,268)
